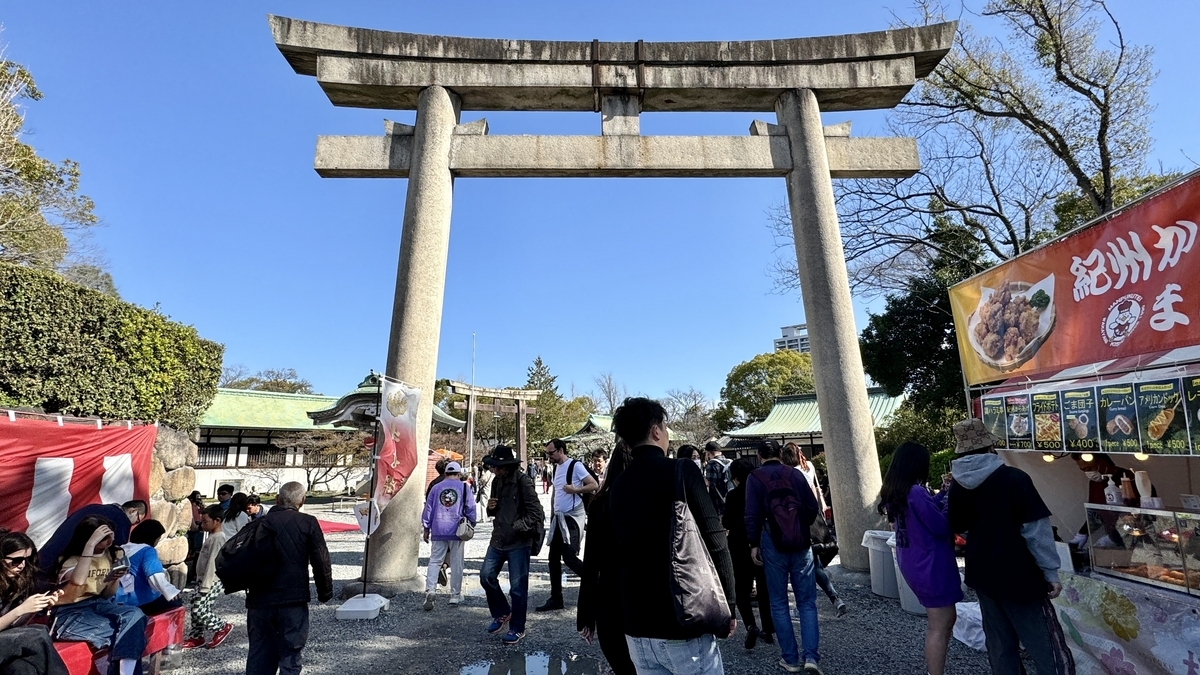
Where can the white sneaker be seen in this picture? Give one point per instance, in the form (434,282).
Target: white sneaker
(456,598)
(428,602)
(812,668)
(796,668)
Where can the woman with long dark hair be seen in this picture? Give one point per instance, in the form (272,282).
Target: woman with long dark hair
(235,515)
(91,566)
(794,457)
(24,650)
(597,614)
(924,546)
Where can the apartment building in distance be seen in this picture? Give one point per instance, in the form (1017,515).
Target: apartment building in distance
(794,338)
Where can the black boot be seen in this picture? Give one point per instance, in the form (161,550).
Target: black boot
(752,634)
(552,603)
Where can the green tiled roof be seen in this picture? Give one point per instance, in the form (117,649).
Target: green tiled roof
(798,415)
(244,409)
(603,423)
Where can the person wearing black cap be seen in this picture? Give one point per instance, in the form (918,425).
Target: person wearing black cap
(517,522)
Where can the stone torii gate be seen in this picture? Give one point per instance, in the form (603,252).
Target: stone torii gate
(522,397)
(797,79)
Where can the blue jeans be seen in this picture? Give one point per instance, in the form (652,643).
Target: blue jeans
(698,656)
(797,567)
(518,581)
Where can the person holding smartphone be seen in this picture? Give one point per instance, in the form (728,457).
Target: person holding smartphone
(91,566)
(23,649)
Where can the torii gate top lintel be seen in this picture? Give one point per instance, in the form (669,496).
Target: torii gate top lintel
(368,68)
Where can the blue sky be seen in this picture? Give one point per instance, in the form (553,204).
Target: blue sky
(196,142)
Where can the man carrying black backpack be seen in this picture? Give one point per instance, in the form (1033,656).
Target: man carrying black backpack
(778,497)
(277,605)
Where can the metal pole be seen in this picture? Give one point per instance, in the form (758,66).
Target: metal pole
(371,488)
(471,439)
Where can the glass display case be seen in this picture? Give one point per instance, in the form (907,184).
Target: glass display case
(1150,546)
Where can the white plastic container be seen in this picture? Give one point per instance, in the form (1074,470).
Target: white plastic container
(883,563)
(908,599)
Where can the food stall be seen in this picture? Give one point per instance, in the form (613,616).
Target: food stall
(1091,344)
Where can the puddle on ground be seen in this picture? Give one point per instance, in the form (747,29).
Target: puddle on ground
(535,663)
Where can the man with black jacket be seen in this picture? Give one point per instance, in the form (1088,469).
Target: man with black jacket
(277,611)
(1011,560)
(517,521)
(642,507)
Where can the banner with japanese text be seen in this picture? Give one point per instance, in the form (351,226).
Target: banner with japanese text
(398,455)
(1124,287)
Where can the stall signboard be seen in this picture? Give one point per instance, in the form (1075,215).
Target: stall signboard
(1082,429)
(1120,288)
(1018,421)
(1161,420)
(1047,422)
(1191,406)
(993,418)
(1118,418)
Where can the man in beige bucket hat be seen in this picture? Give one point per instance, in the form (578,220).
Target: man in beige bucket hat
(1011,560)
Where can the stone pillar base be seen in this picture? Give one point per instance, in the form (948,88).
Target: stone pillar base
(387,589)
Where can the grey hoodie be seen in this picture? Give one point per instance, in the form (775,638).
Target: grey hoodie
(970,472)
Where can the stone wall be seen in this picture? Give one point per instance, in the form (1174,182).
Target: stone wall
(172,479)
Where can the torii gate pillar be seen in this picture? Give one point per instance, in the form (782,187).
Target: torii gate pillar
(846,422)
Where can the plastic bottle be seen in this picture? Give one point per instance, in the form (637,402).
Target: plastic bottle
(1127,493)
(1112,493)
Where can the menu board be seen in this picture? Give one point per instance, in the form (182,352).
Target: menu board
(993,418)
(1118,418)
(1161,419)
(1019,423)
(1047,422)
(1191,406)
(1080,421)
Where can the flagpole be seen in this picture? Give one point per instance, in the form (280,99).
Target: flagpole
(371,498)
(471,440)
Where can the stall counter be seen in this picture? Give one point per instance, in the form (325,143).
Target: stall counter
(1117,626)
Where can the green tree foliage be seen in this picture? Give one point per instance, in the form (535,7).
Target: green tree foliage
(1074,208)
(280,380)
(41,209)
(751,387)
(910,348)
(76,351)
(556,417)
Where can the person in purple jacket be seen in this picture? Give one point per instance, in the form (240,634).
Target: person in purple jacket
(924,546)
(450,501)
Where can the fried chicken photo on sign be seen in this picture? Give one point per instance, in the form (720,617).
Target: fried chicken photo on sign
(1007,324)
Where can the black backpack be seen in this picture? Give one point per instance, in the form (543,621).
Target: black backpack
(587,497)
(249,558)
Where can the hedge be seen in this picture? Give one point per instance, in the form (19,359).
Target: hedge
(69,349)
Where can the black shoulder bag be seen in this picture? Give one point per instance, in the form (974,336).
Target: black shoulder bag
(695,587)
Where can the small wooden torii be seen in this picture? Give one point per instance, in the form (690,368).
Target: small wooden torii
(522,397)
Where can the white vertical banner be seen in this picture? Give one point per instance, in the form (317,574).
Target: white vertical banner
(51,499)
(398,455)
(116,486)
(367,514)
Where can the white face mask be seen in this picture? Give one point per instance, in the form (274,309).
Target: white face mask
(1094,476)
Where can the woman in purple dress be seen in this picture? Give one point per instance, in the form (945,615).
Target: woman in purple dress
(924,546)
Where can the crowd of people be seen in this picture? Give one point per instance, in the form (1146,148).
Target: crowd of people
(669,550)
(659,602)
(99,578)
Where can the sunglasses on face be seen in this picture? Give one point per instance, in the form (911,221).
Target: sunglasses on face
(17,561)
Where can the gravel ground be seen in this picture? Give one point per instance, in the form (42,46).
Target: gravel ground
(876,637)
